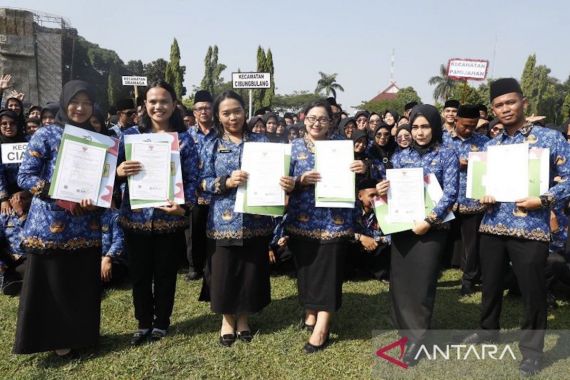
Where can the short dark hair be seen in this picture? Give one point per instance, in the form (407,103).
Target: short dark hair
(319,103)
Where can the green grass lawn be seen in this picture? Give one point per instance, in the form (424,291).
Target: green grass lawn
(191,350)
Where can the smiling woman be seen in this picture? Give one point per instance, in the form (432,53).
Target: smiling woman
(61,294)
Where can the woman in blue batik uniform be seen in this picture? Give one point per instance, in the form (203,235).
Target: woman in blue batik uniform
(60,300)
(152,235)
(236,280)
(319,236)
(416,254)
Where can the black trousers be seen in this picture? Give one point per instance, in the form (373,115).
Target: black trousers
(528,259)
(557,269)
(196,240)
(469,232)
(415,265)
(153,266)
(375,264)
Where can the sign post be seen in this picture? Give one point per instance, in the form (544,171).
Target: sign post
(136,82)
(465,69)
(251,81)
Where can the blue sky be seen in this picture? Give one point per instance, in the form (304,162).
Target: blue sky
(352,38)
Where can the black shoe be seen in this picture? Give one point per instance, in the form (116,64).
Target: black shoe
(551,301)
(245,336)
(227,340)
(192,276)
(479,337)
(529,367)
(311,348)
(12,288)
(467,290)
(157,335)
(412,349)
(306,326)
(140,337)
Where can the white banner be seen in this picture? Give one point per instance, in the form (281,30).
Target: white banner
(251,80)
(13,153)
(465,68)
(134,81)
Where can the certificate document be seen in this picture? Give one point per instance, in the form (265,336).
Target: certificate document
(153,181)
(406,201)
(332,161)
(265,164)
(79,171)
(507,172)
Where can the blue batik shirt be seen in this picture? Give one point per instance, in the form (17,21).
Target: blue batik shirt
(462,147)
(12,227)
(222,157)
(304,220)
(201,140)
(444,164)
(504,218)
(113,239)
(50,227)
(154,220)
(365,223)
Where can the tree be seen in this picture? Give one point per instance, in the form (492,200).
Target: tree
(443,85)
(528,76)
(135,67)
(293,102)
(155,70)
(212,80)
(405,95)
(472,95)
(174,73)
(269,93)
(114,85)
(565,111)
(259,94)
(327,84)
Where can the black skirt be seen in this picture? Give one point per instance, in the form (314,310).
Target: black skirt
(415,264)
(236,278)
(320,272)
(60,303)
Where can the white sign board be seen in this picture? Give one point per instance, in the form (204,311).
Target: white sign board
(134,81)
(251,80)
(464,68)
(13,153)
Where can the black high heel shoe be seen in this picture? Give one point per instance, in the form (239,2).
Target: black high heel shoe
(245,336)
(311,348)
(227,340)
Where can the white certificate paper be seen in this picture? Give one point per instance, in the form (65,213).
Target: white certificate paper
(80,171)
(265,164)
(332,161)
(153,181)
(406,201)
(507,172)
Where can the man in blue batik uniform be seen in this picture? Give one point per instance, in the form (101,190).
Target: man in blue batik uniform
(520,230)
(468,212)
(202,133)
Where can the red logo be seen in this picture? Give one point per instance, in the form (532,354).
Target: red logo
(381,353)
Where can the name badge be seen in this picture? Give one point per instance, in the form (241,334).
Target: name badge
(224,151)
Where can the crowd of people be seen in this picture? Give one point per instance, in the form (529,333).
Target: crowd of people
(48,244)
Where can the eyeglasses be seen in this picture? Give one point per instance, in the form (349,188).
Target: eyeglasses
(313,119)
(382,135)
(361,120)
(203,109)
(403,137)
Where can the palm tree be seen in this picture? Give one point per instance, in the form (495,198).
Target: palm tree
(443,84)
(328,84)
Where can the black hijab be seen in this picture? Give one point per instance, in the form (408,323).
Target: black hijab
(394,114)
(343,124)
(433,117)
(70,89)
(20,118)
(251,123)
(357,135)
(382,153)
(273,137)
(19,133)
